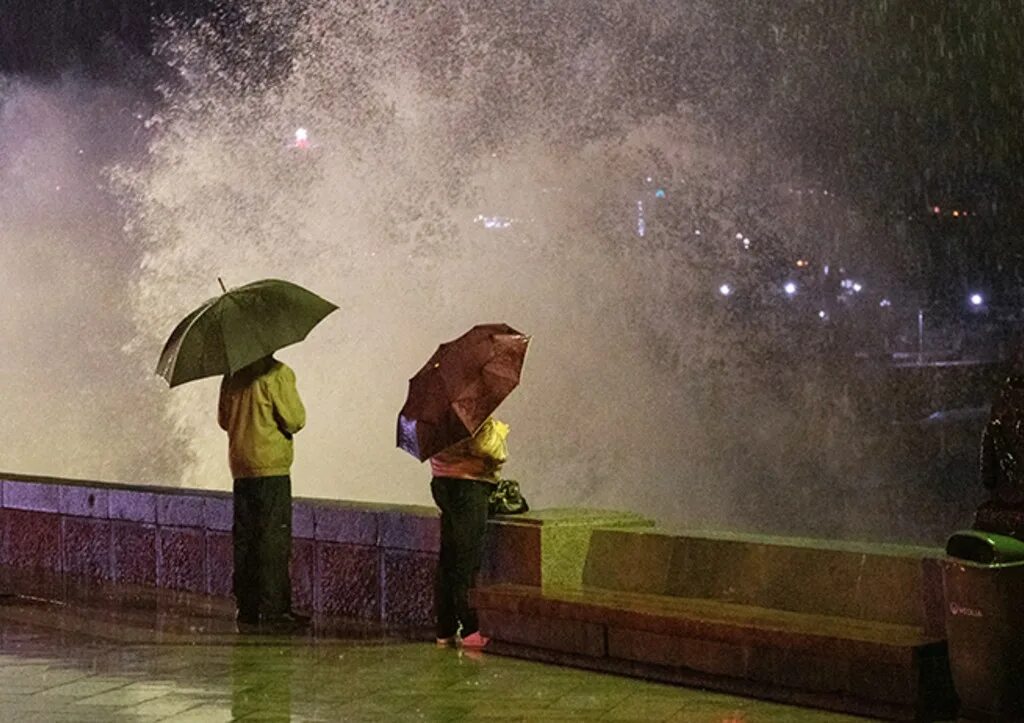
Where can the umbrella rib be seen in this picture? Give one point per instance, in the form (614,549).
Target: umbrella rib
(195,317)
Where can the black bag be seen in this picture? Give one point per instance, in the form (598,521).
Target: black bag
(507,499)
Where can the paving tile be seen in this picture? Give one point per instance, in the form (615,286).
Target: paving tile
(82,689)
(50,671)
(205,714)
(644,708)
(125,696)
(167,705)
(588,701)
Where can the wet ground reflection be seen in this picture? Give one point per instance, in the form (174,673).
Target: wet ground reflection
(111,661)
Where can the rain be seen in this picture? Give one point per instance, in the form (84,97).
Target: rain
(768,252)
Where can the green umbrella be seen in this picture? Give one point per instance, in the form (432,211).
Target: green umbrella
(238,327)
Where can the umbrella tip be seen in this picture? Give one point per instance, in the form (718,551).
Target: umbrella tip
(221,282)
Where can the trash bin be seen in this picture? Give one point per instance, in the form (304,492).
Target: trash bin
(983,580)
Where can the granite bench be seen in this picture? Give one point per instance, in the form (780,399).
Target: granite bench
(849,627)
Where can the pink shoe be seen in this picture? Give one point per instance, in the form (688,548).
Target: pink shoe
(475,641)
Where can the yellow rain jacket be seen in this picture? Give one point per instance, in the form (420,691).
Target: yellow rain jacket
(260,409)
(478,457)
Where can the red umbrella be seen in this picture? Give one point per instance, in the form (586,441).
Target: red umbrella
(459,387)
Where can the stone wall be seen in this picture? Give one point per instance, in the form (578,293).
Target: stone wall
(349,559)
(373,562)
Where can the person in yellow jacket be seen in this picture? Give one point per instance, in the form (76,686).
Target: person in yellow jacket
(261,411)
(464,476)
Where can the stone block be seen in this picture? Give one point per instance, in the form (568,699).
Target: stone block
(218,512)
(84,501)
(629,560)
(408,588)
(33,496)
(803,579)
(933,598)
(32,539)
(303,521)
(346,525)
(303,574)
(181,560)
(512,554)
(408,528)
(134,553)
(856,580)
(347,581)
(565,540)
(891,590)
(32,582)
(87,548)
(878,681)
(704,656)
(790,669)
(132,506)
(717,569)
(180,510)
(563,555)
(220,563)
(566,636)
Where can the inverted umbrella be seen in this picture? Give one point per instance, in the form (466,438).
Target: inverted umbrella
(238,327)
(459,387)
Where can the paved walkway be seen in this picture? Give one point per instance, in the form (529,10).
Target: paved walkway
(105,661)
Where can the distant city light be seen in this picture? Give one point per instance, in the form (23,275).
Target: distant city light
(822,314)
(977,299)
(789,288)
(493,221)
(885,303)
(301,138)
(660,193)
(857,287)
(739,236)
(746,242)
(725,290)
(802,263)
(696,232)
(936,210)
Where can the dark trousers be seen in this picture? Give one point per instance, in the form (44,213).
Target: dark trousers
(463,504)
(263,546)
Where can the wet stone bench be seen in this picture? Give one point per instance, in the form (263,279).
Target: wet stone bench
(856,628)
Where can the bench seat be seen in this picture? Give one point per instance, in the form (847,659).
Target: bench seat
(889,670)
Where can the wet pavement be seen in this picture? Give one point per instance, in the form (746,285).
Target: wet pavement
(110,660)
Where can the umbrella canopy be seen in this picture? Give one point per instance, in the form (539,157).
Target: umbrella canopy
(238,327)
(459,387)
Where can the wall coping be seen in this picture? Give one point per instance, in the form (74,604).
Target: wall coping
(886,549)
(402,525)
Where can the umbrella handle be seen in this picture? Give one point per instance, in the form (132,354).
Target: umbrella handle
(221,282)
